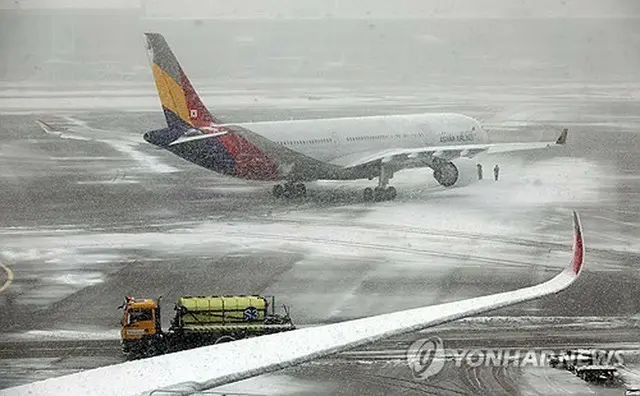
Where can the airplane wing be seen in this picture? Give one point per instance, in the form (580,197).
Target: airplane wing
(58,132)
(208,367)
(442,152)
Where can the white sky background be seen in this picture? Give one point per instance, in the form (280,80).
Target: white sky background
(352,8)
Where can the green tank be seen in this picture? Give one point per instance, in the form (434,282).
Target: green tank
(220,310)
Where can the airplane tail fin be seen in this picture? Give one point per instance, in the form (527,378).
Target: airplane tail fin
(182,106)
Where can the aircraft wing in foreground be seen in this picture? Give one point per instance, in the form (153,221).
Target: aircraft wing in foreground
(208,367)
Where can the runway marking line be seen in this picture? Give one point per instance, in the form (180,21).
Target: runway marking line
(9,277)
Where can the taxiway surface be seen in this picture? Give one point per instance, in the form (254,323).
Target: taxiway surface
(86,222)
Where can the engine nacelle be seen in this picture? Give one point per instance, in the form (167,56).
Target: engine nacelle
(456,173)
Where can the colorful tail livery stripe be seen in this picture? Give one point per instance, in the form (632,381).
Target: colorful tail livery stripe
(181,104)
(230,154)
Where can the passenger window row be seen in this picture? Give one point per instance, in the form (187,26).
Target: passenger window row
(351,139)
(299,142)
(378,137)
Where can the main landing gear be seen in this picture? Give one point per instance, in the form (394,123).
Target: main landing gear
(289,190)
(382,192)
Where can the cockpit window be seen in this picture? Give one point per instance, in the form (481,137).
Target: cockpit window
(138,315)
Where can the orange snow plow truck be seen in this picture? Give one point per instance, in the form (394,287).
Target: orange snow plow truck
(198,321)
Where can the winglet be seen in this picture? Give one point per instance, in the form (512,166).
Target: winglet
(578,246)
(562,139)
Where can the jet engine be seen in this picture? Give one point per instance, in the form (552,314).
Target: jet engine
(456,173)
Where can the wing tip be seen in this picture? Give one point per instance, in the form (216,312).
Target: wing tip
(578,246)
(562,139)
(46,128)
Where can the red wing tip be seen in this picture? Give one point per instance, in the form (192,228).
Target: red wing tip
(578,245)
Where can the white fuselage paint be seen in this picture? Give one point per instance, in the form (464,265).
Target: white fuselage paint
(331,138)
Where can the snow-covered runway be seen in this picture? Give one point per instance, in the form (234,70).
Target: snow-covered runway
(87,222)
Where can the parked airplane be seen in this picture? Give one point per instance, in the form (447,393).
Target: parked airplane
(297,151)
(212,366)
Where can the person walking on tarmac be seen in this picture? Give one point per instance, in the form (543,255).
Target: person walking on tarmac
(496,172)
(479,166)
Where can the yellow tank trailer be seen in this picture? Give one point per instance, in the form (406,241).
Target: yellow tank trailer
(198,321)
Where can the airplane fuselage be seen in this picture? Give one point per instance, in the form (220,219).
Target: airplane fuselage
(318,148)
(332,139)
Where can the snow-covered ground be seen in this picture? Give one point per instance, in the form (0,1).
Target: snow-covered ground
(519,225)
(497,225)
(63,335)
(551,381)
(326,94)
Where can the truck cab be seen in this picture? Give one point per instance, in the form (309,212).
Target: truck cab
(140,318)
